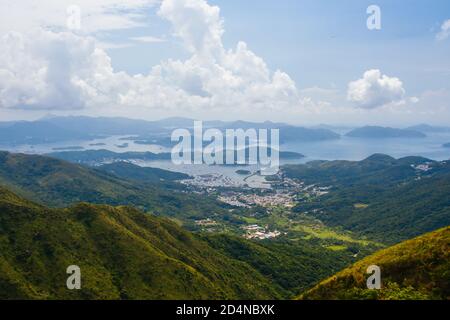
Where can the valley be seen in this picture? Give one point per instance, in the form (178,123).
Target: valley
(213,159)
(286,232)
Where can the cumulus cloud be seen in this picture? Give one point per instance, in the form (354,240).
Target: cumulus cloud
(196,22)
(376,90)
(444,33)
(40,70)
(50,69)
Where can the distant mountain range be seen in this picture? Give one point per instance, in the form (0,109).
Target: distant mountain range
(53,129)
(425,128)
(56,129)
(16,133)
(374,132)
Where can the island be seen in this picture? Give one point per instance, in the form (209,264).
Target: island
(99,144)
(122,146)
(374,132)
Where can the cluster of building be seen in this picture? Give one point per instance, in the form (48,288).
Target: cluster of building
(257,232)
(233,200)
(422,167)
(264,200)
(269,200)
(212,180)
(206,222)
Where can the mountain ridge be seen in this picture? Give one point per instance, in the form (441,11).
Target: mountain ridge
(122,253)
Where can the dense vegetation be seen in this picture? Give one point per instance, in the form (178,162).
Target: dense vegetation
(415,269)
(377,171)
(124,253)
(58,183)
(128,170)
(291,266)
(382,198)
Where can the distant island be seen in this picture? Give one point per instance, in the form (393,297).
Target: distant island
(446,145)
(374,132)
(122,146)
(425,128)
(95,157)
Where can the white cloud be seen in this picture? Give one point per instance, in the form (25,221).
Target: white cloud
(197,23)
(414,100)
(114,45)
(376,90)
(96,15)
(50,69)
(445,31)
(38,70)
(148,39)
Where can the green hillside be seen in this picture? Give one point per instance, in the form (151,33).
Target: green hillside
(147,175)
(127,254)
(122,253)
(414,269)
(57,183)
(385,199)
(292,266)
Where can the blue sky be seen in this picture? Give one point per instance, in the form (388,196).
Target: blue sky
(320,43)
(315,61)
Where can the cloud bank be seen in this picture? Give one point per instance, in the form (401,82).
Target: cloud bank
(50,69)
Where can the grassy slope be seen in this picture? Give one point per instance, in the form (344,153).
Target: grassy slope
(414,269)
(122,253)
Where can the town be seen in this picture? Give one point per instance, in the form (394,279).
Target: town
(255,206)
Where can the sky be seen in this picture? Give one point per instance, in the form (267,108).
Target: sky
(299,61)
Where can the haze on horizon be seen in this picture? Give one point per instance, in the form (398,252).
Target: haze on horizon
(300,62)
